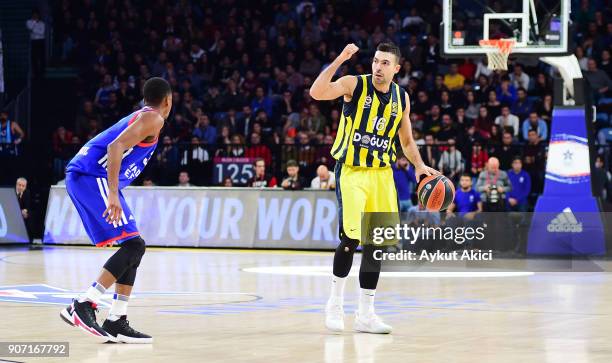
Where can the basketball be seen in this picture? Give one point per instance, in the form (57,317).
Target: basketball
(435,192)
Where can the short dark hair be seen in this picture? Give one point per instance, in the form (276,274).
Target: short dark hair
(389,47)
(155,90)
(292,163)
(467,175)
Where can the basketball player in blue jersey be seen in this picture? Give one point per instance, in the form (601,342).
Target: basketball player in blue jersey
(375,110)
(94,179)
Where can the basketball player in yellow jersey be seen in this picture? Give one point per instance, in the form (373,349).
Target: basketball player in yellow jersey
(374,111)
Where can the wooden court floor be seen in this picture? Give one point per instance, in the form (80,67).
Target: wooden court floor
(266,306)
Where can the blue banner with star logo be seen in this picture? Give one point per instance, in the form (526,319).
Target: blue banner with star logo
(567,201)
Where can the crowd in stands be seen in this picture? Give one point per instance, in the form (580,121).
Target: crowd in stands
(241,71)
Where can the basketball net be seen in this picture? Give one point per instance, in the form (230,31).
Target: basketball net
(497,51)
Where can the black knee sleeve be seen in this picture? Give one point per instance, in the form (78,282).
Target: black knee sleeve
(137,249)
(128,277)
(369,271)
(343,258)
(129,255)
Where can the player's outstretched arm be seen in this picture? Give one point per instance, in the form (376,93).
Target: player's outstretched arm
(410,148)
(324,89)
(146,125)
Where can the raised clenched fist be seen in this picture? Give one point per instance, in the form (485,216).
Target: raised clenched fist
(348,52)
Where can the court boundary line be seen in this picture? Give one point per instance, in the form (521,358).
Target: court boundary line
(201,249)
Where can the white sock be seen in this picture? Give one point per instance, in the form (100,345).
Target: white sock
(337,290)
(366,301)
(119,307)
(93,294)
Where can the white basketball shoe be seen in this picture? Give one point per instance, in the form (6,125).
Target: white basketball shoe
(334,316)
(371,323)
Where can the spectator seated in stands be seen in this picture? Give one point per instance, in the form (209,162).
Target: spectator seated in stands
(479,158)
(148,182)
(506,92)
(467,200)
(204,131)
(534,160)
(196,159)
(324,179)
(261,178)
(451,162)
(518,78)
(508,121)
(261,102)
(227,182)
(433,122)
(293,181)
(600,81)
(484,122)
(537,124)
(521,187)
(507,151)
(454,80)
(522,106)
(602,180)
(183,179)
(493,184)
(430,152)
(258,150)
(448,130)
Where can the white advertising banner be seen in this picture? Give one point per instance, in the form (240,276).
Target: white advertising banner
(212,217)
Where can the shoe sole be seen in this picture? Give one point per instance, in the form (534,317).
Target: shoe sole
(67,318)
(78,322)
(129,340)
(360,328)
(334,330)
(363,330)
(372,332)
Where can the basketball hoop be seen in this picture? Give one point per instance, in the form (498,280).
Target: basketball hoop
(497,51)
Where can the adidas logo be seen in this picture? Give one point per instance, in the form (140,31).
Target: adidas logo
(565,222)
(131,218)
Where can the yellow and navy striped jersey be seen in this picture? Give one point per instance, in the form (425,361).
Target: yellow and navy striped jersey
(369,124)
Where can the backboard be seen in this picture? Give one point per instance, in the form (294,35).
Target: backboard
(540,27)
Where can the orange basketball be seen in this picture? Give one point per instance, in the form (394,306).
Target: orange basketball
(435,192)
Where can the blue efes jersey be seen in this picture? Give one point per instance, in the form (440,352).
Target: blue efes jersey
(92,158)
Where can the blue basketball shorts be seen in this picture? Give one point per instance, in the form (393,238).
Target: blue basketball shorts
(90,197)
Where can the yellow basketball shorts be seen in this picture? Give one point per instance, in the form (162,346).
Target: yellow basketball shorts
(362,190)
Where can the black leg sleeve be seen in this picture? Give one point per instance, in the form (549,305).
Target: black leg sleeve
(370,268)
